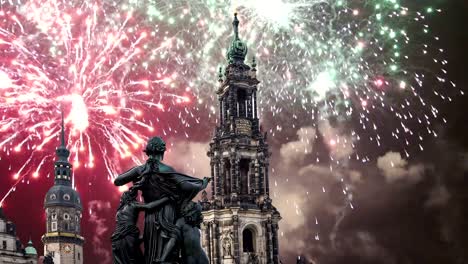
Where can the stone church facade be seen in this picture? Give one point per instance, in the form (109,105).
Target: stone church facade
(240,223)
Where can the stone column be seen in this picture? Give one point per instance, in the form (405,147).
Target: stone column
(257,177)
(225,110)
(221,112)
(261,175)
(275,243)
(267,180)
(213,177)
(235,224)
(222,180)
(269,246)
(207,241)
(217,178)
(216,242)
(255,104)
(234,165)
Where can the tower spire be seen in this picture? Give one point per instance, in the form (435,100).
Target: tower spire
(62,136)
(235,25)
(238,49)
(62,152)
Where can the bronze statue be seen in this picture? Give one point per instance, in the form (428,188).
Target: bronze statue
(189,223)
(125,239)
(158,181)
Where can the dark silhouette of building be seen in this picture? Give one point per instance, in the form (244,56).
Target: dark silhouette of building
(240,222)
(62,240)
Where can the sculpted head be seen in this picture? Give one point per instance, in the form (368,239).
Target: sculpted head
(192,213)
(129,196)
(155,147)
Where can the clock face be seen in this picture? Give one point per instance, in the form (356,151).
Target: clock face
(67,248)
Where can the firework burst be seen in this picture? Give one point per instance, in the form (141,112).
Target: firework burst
(120,67)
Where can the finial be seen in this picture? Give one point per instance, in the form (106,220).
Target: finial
(62,136)
(235,23)
(220,74)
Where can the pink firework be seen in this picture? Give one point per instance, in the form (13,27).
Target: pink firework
(98,65)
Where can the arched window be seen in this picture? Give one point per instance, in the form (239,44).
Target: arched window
(66,197)
(248,240)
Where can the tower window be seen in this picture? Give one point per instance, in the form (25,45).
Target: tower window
(66,197)
(66,216)
(248,242)
(79,256)
(227,179)
(244,175)
(53,196)
(4,244)
(54,226)
(54,216)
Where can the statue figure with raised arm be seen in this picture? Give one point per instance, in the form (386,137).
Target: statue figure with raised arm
(158,181)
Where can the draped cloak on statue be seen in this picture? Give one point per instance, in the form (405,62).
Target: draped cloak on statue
(160,223)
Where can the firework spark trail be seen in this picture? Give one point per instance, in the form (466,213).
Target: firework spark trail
(115,61)
(74,52)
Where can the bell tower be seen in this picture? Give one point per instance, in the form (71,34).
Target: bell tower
(240,222)
(62,204)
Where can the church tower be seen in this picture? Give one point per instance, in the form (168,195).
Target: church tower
(240,223)
(63,213)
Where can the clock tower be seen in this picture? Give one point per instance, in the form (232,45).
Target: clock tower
(240,223)
(63,208)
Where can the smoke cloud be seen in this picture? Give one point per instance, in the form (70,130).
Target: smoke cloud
(98,220)
(395,168)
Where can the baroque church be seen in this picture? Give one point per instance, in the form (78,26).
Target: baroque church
(11,249)
(62,204)
(240,223)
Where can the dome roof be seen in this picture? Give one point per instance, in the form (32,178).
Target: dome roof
(237,51)
(62,195)
(30,250)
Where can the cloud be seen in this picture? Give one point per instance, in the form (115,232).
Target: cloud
(340,146)
(439,196)
(98,220)
(190,158)
(395,168)
(294,152)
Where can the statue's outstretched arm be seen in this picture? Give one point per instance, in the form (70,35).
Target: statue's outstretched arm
(126,177)
(153,204)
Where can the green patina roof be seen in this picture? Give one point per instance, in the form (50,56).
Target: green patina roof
(30,250)
(238,49)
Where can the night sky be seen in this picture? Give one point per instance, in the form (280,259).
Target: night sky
(413,212)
